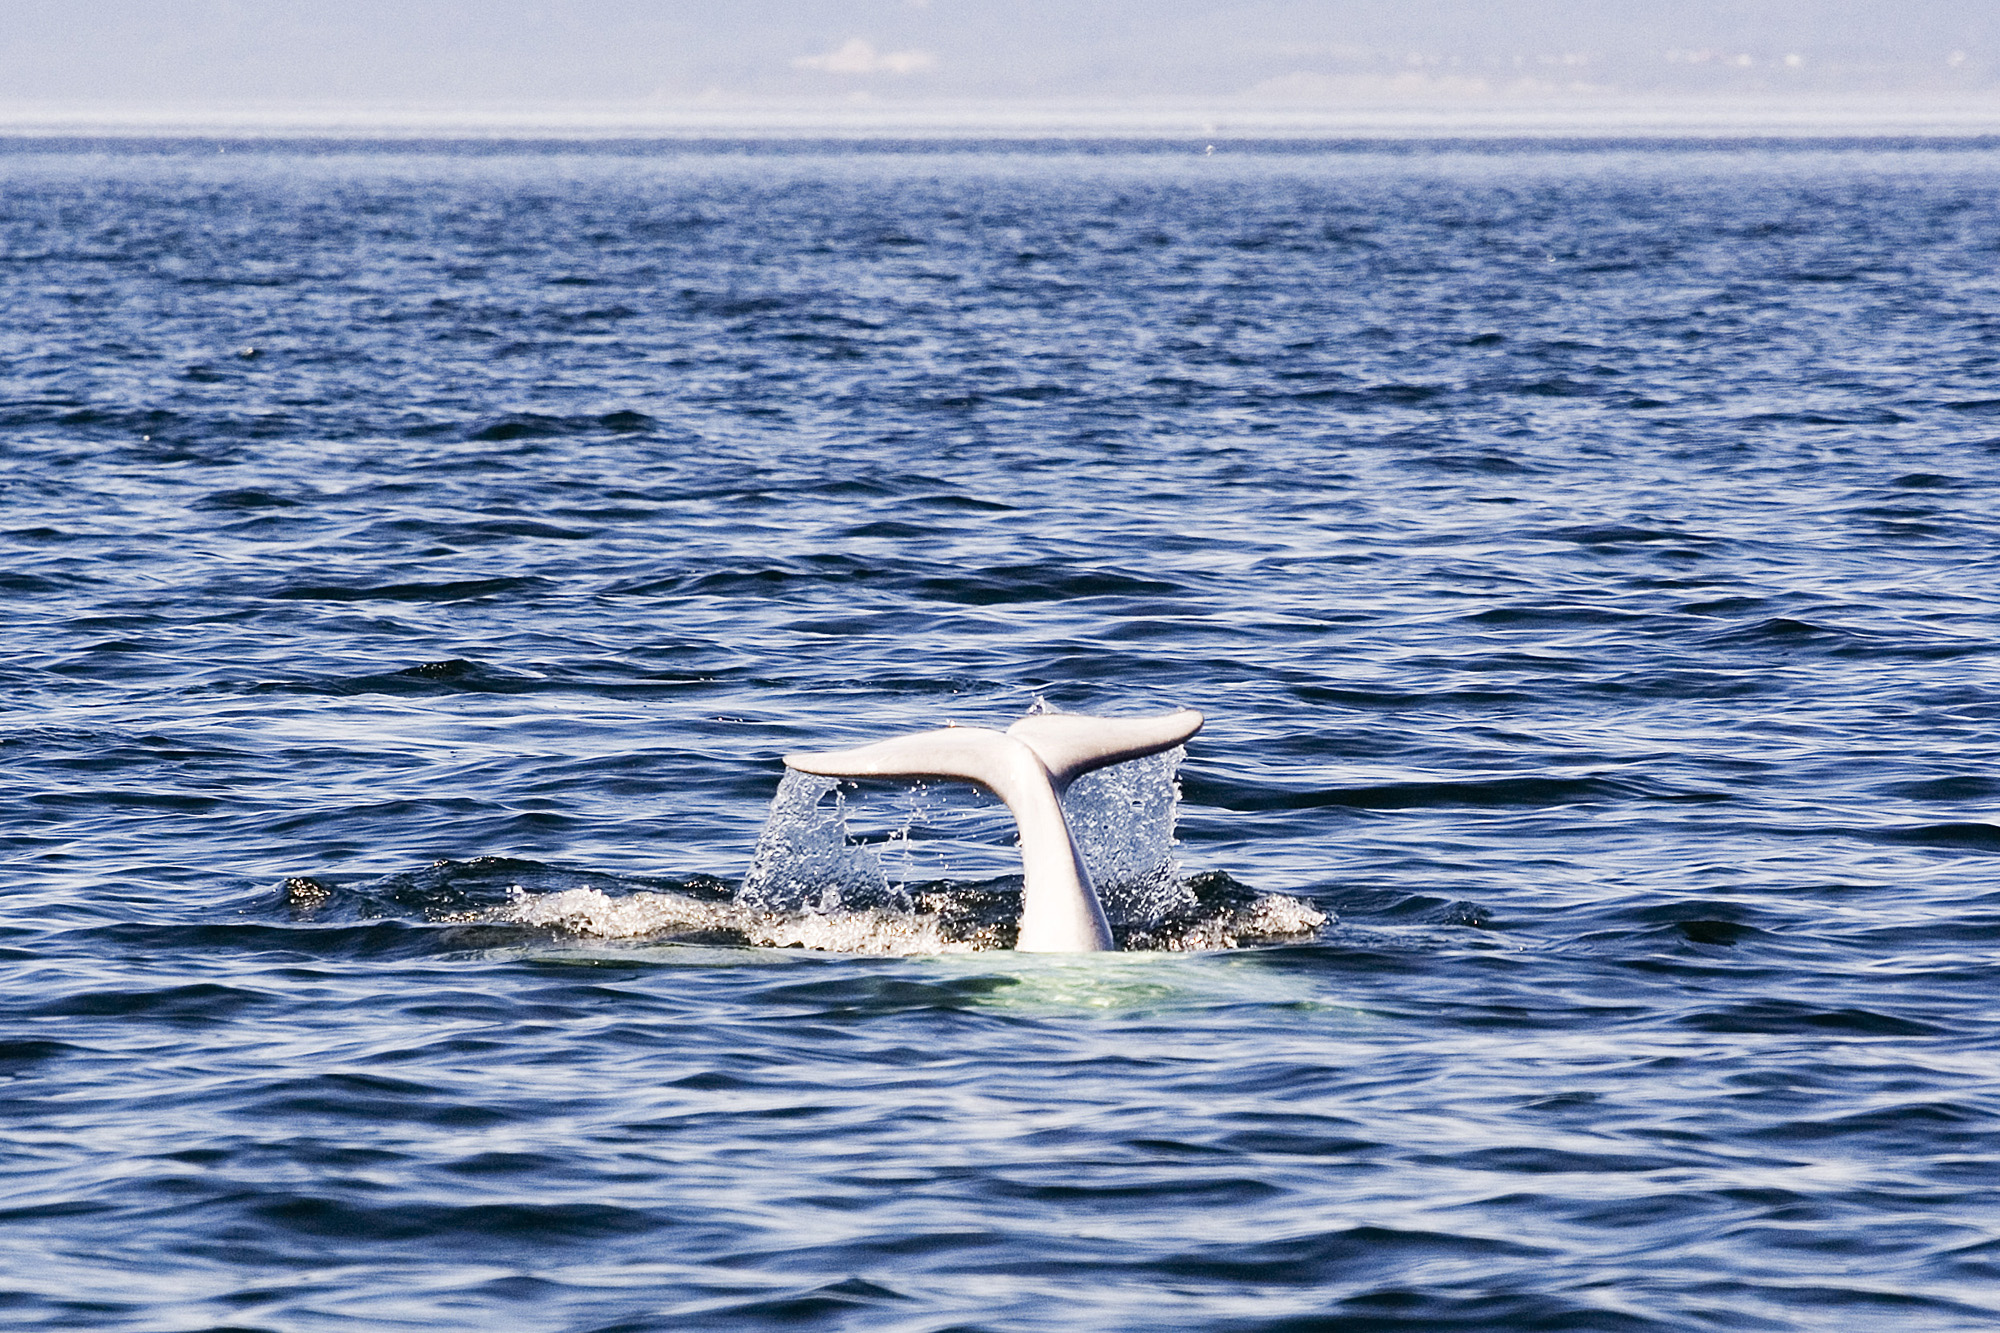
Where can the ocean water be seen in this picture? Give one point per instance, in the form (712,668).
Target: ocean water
(1581,911)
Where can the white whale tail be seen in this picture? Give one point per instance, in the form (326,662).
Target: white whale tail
(1028,766)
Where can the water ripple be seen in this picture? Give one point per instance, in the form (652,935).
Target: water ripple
(416,562)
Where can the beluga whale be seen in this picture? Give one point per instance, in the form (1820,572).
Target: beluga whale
(1028,766)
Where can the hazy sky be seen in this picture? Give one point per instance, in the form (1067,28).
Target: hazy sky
(184,53)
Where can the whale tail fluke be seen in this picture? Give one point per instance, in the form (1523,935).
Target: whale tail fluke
(1066,745)
(1027,766)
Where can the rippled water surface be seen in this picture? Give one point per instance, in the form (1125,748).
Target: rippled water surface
(414,561)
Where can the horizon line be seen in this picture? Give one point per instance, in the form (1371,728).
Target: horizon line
(1879,116)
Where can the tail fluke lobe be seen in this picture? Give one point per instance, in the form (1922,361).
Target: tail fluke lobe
(973,754)
(1070,744)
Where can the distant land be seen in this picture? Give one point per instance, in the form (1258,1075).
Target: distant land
(1223,122)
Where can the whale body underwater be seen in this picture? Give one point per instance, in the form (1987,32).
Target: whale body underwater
(1028,766)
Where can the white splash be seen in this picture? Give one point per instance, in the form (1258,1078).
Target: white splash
(805,860)
(856,932)
(595,912)
(598,915)
(1268,917)
(813,885)
(1122,818)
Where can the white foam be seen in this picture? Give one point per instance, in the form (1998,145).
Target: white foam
(856,932)
(598,915)
(1267,918)
(595,912)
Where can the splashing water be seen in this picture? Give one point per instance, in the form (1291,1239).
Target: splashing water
(1122,818)
(812,882)
(805,860)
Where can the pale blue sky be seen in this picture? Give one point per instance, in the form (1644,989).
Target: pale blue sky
(168,53)
(1255,67)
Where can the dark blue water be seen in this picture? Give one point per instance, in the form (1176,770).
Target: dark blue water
(414,563)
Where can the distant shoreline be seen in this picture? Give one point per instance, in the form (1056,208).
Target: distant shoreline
(190,146)
(958,123)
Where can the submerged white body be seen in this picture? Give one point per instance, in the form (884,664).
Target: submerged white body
(1028,766)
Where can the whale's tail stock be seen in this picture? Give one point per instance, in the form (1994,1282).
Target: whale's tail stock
(1028,766)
